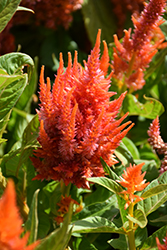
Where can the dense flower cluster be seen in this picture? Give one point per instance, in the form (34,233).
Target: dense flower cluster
(77,121)
(11,223)
(132,56)
(133,181)
(121,9)
(157,142)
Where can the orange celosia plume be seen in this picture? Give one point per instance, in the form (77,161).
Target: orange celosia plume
(133,55)
(11,223)
(133,181)
(77,121)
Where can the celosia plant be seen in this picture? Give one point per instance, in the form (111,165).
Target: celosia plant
(11,223)
(161,246)
(133,55)
(77,122)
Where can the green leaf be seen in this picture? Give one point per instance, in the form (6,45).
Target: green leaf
(108,170)
(7,10)
(124,155)
(119,243)
(139,218)
(96,224)
(131,147)
(107,183)
(59,238)
(154,191)
(25,9)
(97,15)
(150,109)
(31,224)
(153,202)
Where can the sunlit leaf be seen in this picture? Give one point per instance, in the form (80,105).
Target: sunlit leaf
(150,109)
(96,224)
(139,218)
(107,183)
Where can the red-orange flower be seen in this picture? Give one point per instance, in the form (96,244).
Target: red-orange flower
(132,56)
(160,246)
(11,223)
(64,205)
(133,181)
(77,122)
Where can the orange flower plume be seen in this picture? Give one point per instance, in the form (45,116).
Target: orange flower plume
(77,121)
(132,56)
(133,181)
(11,223)
(160,246)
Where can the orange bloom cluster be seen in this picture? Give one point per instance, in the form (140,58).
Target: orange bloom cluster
(77,121)
(160,246)
(64,207)
(133,181)
(11,223)
(157,142)
(121,9)
(132,56)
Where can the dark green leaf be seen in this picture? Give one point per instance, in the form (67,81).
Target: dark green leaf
(96,224)
(31,224)
(7,10)
(108,170)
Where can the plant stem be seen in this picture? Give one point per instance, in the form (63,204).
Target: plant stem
(131,238)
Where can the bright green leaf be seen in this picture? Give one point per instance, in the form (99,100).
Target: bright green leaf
(111,185)
(150,109)
(154,191)
(139,218)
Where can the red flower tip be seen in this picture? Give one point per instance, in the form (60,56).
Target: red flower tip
(11,222)
(78,121)
(161,246)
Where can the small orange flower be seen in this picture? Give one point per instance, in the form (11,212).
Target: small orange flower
(132,179)
(160,246)
(11,223)
(64,207)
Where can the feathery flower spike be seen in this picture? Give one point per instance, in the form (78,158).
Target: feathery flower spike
(78,121)
(131,58)
(160,246)
(11,223)
(133,181)
(157,142)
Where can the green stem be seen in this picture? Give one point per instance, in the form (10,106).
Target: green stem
(131,238)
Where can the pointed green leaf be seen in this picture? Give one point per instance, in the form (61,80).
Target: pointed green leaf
(31,224)
(139,218)
(96,224)
(111,185)
(131,147)
(7,10)
(59,238)
(108,170)
(154,191)
(152,203)
(124,155)
(150,109)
